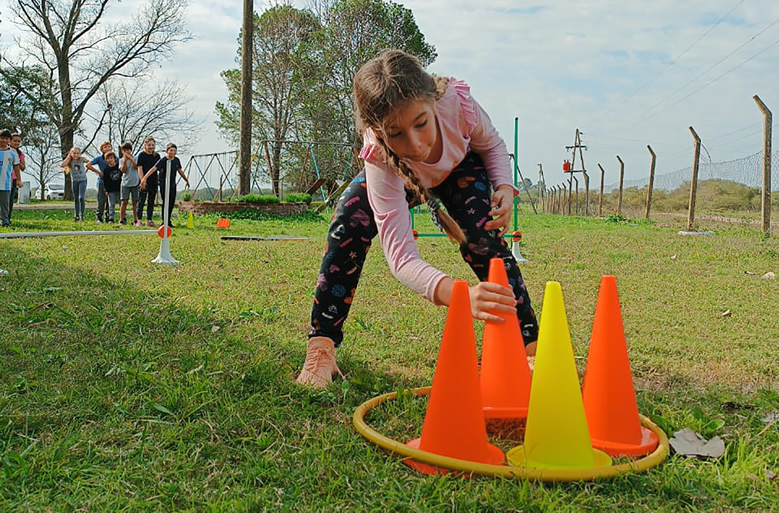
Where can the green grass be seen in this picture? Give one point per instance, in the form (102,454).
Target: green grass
(127,386)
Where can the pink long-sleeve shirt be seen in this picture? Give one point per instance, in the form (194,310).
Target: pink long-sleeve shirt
(464,127)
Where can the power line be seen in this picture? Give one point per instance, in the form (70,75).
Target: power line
(696,90)
(712,66)
(734,131)
(734,68)
(674,61)
(685,52)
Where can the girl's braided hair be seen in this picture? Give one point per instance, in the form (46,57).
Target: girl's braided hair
(384,84)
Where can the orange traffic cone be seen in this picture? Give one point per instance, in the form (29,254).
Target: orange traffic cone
(556,436)
(609,397)
(505,375)
(454,423)
(223,222)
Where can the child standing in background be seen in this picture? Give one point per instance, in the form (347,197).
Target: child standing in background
(9,167)
(146,160)
(425,140)
(112,181)
(169,200)
(102,199)
(16,142)
(75,165)
(131,180)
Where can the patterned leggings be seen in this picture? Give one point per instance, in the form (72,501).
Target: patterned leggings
(465,193)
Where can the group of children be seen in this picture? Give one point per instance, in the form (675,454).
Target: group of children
(12,162)
(129,179)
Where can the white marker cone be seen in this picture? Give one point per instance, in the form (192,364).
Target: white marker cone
(517,255)
(165,257)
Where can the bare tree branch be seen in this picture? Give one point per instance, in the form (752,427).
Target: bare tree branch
(71,37)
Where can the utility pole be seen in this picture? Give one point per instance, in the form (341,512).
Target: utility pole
(541,185)
(577,145)
(245,137)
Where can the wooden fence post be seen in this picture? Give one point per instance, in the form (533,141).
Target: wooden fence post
(600,198)
(621,179)
(651,183)
(694,180)
(767,117)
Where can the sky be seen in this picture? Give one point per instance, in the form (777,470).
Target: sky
(626,75)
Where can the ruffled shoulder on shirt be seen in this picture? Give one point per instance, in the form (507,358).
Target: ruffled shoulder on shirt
(463,91)
(371,150)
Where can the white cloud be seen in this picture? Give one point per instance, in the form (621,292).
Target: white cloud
(558,66)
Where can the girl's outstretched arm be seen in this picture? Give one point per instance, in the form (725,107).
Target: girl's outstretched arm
(486,297)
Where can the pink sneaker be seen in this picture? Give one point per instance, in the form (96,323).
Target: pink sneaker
(320,363)
(137,223)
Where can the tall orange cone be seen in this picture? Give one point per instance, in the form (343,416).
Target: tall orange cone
(556,436)
(454,423)
(505,375)
(609,396)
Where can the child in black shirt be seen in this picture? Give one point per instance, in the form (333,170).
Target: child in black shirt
(112,182)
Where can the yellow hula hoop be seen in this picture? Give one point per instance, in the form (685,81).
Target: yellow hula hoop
(469,467)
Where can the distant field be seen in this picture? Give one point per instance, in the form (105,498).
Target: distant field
(127,386)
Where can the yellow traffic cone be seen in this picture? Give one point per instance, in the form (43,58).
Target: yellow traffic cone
(191,221)
(556,436)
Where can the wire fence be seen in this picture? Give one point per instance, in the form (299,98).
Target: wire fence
(746,170)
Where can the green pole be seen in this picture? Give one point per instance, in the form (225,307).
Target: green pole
(516,170)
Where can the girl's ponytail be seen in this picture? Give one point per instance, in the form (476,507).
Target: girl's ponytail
(423,195)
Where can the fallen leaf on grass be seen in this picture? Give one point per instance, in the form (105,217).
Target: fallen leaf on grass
(732,406)
(727,313)
(771,417)
(770,475)
(689,443)
(214,329)
(673,257)
(769,276)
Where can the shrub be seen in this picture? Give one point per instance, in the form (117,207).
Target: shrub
(297,197)
(187,196)
(259,198)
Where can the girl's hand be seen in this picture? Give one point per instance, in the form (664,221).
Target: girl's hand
(487,298)
(502,203)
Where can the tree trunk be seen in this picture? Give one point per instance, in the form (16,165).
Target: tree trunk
(275,168)
(66,127)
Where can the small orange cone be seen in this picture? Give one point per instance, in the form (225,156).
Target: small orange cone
(223,223)
(505,375)
(556,435)
(609,396)
(454,423)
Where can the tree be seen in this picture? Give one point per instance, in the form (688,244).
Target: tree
(31,120)
(304,72)
(356,31)
(282,37)
(72,41)
(134,112)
